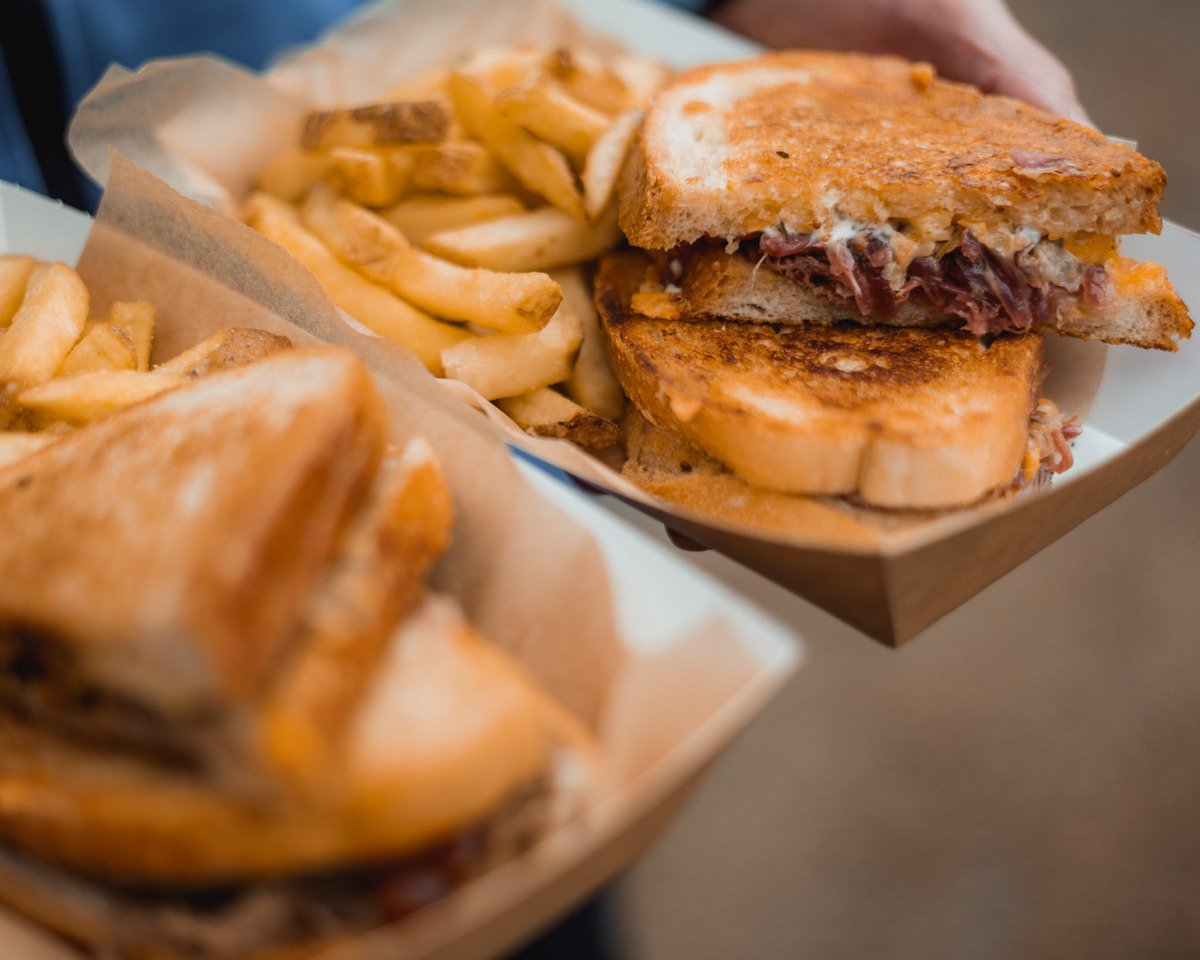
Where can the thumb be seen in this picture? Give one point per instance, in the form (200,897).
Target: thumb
(1037,77)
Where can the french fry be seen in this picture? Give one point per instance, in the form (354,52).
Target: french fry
(135,319)
(418,217)
(430,85)
(539,166)
(547,413)
(45,326)
(500,67)
(291,175)
(90,396)
(15,447)
(232,347)
(592,383)
(605,160)
(377,125)
(509,302)
(508,364)
(376,178)
(586,78)
(460,167)
(371,305)
(539,240)
(642,77)
(14,277)
(100,348)
(553,115)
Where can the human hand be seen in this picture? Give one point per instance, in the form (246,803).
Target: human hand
(976,41)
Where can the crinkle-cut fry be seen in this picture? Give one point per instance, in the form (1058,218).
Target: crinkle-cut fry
(553,115)
(460,167)
(15,447)
(540,167)
(231,347)
(507,302)
(592,383)
(15,271)
(378,309)
(45,327)
(90,396)
(547,413)
(538,240)
(292,174)
(135,319)
(420,216)
(377,125)
(508,364)
(605,160)
(102,347)
(377,178)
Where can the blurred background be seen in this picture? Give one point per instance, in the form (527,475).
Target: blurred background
(1023,779)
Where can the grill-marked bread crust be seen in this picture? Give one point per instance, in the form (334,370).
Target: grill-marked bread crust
(810,138)
(901,417)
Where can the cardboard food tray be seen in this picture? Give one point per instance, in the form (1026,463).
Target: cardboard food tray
(665,664)
(207,127)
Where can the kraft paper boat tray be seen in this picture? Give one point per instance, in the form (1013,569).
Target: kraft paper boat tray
(207,128)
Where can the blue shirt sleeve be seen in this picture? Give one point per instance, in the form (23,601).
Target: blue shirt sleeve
(18,163)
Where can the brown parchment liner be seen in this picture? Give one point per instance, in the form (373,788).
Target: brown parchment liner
(207,127)
(531,577)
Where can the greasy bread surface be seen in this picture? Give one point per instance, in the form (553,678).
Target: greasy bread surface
(809,138)
(900,417)
(416,768)
(185,618)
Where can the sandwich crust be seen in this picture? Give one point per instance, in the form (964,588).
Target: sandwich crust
(903,418)
(314,428)
(815,138)
(415,769)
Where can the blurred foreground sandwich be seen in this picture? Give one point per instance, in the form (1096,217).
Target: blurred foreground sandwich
(232,720)
(822,187)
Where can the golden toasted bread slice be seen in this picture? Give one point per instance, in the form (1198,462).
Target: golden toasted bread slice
(376,576)
(415,767)
(811,138)
(155,563)
(668,467)
(903,418)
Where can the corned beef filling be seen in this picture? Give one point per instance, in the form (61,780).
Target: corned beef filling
(991,292)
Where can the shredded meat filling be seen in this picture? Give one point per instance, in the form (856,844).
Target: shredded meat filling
(990,292)
(40,683)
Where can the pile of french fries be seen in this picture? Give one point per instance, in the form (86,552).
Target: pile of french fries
(454,217)
(59,370)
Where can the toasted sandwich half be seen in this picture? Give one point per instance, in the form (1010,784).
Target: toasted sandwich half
(825,187)
(895,418)
(231,718)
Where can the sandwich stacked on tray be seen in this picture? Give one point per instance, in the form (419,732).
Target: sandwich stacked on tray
(233,719)
(846,267)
